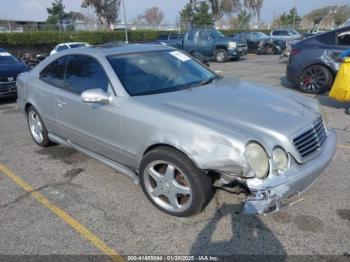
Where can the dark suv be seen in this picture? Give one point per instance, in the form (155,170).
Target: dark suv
(314,62)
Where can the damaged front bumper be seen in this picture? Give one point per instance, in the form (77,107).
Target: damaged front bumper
(270,199)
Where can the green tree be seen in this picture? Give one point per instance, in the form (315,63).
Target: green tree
(196,14)
(201,15)
(107,11)
(57,14)
(291,18)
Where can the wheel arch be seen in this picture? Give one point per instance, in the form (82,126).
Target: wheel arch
(27,106)
(182,151)
(218,47)
(329,68)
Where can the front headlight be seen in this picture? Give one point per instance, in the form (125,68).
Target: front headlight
(257,159)
(232,44)
(280,159)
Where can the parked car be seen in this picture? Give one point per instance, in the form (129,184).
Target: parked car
(286,34)
(170,39)
(213,44)
(199,56)
(10,67)
(260,43)
(65,46)
(32,60)
(313,62)
(176,127)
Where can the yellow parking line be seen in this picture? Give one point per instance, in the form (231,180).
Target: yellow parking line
(82,230)
(344,146)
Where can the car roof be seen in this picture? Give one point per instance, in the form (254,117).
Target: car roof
(129,48)
(72,43)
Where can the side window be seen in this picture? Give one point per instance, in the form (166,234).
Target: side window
(190,35)
(203,35)
(84,73)
(327,38)
(172,37)
(163,37)
(344,38)
(61,48)
(276,33)
(54,73)
(251,37)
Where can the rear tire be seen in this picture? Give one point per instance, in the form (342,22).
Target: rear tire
(173,183)
(37,128)
(316,79)
(221,55)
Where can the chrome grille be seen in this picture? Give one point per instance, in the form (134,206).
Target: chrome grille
(311,140)
(8,87)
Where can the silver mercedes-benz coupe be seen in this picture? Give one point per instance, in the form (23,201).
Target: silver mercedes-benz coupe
(176,127)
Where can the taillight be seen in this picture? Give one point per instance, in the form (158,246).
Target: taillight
(294,51)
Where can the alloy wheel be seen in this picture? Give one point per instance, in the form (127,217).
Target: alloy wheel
(314,80)
(36,127)
(220,56)
(168,186)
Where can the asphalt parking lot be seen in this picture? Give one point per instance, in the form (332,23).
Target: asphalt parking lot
(93,210)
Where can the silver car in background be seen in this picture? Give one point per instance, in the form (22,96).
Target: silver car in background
(176,127)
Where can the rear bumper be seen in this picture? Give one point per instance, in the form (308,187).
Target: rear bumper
(273,199)
(292,74)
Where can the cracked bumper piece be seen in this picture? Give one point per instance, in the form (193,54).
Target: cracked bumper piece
(274,198)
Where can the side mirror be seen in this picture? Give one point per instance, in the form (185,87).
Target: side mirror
(95,96)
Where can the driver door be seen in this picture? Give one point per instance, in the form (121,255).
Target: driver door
(91,125)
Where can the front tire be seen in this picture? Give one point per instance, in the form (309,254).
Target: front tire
(173,183)
(221,55)
(37,128)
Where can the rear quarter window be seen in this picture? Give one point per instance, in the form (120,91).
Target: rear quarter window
(327,38)
(54,72)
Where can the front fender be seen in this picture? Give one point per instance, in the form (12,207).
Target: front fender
(210,151)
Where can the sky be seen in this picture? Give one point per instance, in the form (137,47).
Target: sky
(36,9)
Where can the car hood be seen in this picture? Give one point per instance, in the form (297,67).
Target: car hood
(229,39)
(12,69)
(240,106)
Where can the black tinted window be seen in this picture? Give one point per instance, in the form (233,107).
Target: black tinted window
(84,73)
(344,38)
(190,35)
(62,47)
(54,72)
(276,33)
(327,38)
(163,37)
(203,35)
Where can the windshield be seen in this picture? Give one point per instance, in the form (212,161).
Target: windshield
(159,72)
(7,59)
(216,34)
(260,35)
(77,45)
(294,32)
